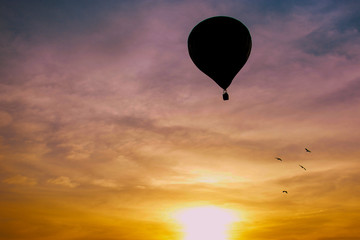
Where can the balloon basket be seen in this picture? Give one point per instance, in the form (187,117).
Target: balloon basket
(225,95)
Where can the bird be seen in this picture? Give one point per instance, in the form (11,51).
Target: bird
(302,167)
(307,150)
(285,192)
(277,158)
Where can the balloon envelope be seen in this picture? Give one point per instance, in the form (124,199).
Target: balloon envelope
(219,47)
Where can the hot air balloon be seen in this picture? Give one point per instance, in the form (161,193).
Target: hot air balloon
(220,46)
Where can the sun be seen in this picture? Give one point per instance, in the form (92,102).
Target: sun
(206,222)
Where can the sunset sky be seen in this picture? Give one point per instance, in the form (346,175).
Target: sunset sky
(108,129)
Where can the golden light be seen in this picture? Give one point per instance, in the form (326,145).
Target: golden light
(206,222)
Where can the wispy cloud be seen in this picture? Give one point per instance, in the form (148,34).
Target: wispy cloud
(105,183)
(347,94)
(63,181)
(20,180)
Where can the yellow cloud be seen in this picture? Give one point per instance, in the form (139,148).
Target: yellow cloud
(105,183)
(64,181)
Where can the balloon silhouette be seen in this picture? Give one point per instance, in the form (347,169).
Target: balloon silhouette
(219,47)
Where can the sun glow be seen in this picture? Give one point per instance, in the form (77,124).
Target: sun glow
(207,222)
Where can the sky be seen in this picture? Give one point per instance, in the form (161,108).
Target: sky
(107,127)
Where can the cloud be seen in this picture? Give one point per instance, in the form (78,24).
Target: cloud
(108,183)
(5,119)
(347,94)
(63,181)
(327,40)
(20,180)
(337,35)
(340,237)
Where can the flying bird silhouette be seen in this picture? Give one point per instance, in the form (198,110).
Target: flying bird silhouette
(307,150)
(302,167)
(277,158)
(285,192)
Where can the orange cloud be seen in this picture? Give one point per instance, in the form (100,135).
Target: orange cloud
(20,180)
